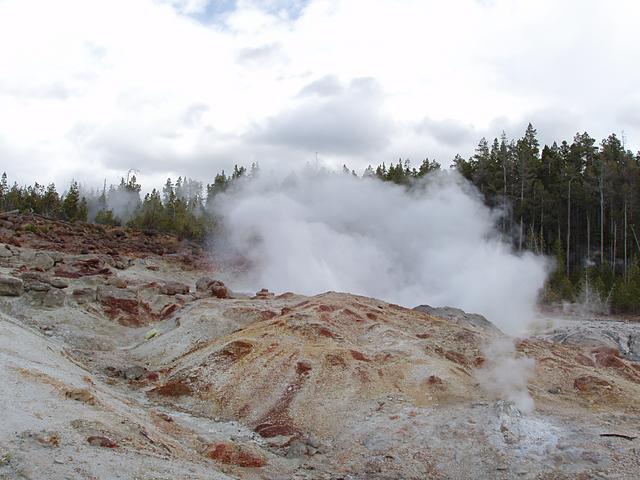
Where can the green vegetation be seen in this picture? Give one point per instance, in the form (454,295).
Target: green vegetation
(576,202)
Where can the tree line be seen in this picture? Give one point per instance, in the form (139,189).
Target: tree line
(577,201)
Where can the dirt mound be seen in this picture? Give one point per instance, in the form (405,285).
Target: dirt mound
(41,233)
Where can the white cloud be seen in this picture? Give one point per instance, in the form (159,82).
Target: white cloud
(90,88)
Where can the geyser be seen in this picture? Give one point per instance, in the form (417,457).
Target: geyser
(435,243)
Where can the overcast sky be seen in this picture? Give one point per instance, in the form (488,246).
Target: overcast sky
(89,89)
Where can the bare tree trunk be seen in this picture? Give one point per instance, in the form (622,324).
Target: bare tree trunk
(588,238)
(568,224)
(613,251)
(625,241)
(601,182)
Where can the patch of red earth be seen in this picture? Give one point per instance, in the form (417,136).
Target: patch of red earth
(372,316)
(325,332)
(98,441)
(479,361)
(173,388)
(591,384)
(584,360)
(327,308)
(115,308)
(231,454)
(359,356)
(83,268)
(608,357)
(422,336)
(277,421)
(362,375)
(236,350)
(434,380)
(352,314)
(303,368)
(335,360)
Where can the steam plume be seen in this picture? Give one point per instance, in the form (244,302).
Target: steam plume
(433,244)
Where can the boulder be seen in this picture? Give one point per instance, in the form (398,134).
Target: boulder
(42,261)
(56,282)
(36,286)
(54,299)
(174,288)
(264,294)
(5,252)
(214,288)
(84,295)
(11,286)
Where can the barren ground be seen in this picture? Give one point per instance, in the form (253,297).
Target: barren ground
(120,357)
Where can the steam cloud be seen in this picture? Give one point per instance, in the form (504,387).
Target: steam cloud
(434,244)
(505,375)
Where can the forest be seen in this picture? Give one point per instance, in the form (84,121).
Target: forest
(576,201)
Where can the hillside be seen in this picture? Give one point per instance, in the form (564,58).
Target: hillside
(125,356)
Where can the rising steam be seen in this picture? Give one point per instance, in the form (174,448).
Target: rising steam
(435,243)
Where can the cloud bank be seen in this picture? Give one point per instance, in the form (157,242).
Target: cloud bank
(90,89)
(435,244)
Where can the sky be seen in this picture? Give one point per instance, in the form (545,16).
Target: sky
(90,89)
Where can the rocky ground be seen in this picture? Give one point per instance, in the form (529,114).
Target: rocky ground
(122,356)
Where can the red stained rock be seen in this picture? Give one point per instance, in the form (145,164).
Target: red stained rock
(104,442)
(230,454)
(213,287)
